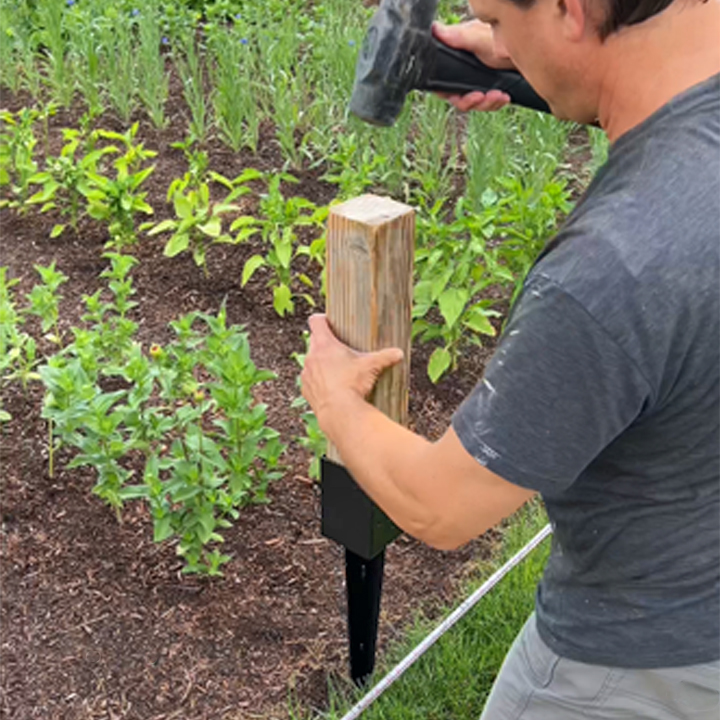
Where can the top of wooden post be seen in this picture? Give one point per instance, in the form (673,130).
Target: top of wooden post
(371,209)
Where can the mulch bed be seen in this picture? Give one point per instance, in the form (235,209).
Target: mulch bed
(97,621)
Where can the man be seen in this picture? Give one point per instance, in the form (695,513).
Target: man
(603,393)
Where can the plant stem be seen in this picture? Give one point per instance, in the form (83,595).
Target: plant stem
(51,451)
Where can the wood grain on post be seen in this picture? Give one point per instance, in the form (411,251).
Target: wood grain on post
(370,248)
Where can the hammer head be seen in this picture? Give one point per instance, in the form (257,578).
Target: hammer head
(390,61)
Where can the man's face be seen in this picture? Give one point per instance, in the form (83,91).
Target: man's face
(540,43)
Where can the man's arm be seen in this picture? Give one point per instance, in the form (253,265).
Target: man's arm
(436,492)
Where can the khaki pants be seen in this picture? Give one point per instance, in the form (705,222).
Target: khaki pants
(536,684)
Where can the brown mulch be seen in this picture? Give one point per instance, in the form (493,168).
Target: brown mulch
(97,621)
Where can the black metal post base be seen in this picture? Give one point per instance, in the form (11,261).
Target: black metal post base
(364,589)
(349,516)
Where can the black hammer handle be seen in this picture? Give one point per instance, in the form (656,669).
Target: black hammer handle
(459,72)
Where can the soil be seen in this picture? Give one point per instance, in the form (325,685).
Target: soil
(97,621)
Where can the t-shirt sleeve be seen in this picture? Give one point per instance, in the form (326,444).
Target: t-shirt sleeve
(556,392)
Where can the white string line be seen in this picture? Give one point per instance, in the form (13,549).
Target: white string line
(444,626)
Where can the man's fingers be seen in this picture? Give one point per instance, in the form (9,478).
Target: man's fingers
(477,100)
(462,36)
(380,360)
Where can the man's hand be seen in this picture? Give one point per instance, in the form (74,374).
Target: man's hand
(333,371)
(475,37)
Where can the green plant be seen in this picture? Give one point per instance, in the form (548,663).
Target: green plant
(64,178)
(86,56)
(289,102)
(43,300)
(9,71)
(187,59)
(117,200)
(199,222)
(526,217)
(457,261)
(17,150)
(354,166)
(187,408)
(153,81)
(198,168)
(113,329)
(454,266)
(313,441)
(20,41)
(435,155)
(53,39)
(118,60)
(599,148)
(13,340)
(280,218)
(210,473)
(233,70)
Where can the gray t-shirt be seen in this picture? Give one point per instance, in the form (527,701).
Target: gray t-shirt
(604,396)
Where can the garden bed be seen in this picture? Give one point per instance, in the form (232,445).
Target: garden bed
(97,620)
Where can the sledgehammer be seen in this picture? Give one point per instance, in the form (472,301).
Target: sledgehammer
(400,54)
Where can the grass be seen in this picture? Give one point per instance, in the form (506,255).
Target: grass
(452,680)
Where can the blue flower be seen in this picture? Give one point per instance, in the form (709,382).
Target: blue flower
(238,16)
(351,43)
(70,3)
(244,41)
(165,40)
(135,12)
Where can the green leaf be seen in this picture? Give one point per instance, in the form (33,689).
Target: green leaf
(212,228)
(142,206)
(283,249)
(57,230)
(186,492)
(439,362)
(242,221)
(133,492)
(452,303)
(176,244)
(246,233)
(247,175)
(162,529)
(183,207)
(282,300)
(163,226)
(222,208)
(251,266)
(478,322)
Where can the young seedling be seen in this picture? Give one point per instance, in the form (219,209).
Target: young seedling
(65,177)
(198,221)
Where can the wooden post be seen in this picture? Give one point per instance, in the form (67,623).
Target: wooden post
(370,248)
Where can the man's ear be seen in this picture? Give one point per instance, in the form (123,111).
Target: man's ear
(574,18)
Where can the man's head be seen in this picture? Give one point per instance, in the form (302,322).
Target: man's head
(565,47)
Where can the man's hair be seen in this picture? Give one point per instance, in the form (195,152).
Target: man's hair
(620,13)
(629,12)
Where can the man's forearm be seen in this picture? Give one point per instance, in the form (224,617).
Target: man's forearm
(388,461)
(435,492)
